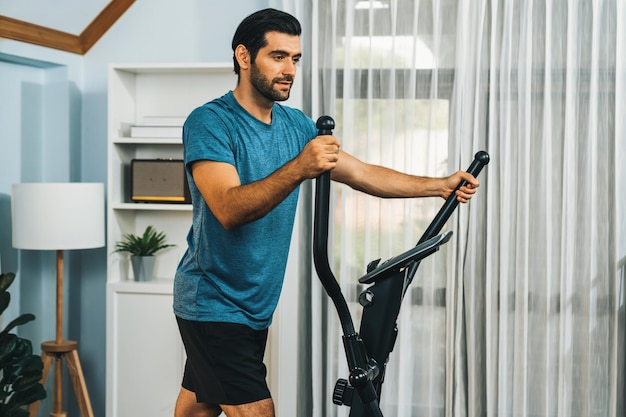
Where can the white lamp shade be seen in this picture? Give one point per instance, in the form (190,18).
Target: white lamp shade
(56,216)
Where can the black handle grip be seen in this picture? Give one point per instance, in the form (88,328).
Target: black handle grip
(480,160)
(325,125)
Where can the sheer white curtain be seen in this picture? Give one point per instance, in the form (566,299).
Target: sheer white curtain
(523,312)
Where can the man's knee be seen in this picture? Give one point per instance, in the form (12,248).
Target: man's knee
(187,406)
(262,408)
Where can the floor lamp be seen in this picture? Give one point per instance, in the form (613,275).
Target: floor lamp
(59,216)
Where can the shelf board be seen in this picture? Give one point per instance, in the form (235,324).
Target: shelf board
(147,141)
(151,206)
(182,68)
(155,286)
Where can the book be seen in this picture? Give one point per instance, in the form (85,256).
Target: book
(145,131)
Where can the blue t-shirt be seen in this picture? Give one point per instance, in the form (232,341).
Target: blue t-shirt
(236,275)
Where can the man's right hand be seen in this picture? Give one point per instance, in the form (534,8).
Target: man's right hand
(318,156)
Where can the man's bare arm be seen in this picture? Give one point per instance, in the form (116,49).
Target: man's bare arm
(388,183)
(234,204)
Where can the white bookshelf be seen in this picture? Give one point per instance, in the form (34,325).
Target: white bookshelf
(137,91)
(144,354)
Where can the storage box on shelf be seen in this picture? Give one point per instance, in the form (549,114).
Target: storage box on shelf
(142,337)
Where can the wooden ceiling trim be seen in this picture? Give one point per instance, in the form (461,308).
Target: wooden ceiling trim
(39,35)
(103,22)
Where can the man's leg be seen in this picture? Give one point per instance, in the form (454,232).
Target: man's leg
(187,406)
(224,364)
(262,408)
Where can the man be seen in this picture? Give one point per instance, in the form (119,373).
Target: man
(246,156)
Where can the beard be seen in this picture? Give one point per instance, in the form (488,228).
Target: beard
(266,87)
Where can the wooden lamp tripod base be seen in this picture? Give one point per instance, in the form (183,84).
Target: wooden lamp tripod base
(66,351)
(61,350)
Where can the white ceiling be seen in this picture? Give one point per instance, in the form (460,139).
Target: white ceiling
(71,16)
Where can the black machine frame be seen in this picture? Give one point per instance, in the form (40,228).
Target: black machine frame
(368,350)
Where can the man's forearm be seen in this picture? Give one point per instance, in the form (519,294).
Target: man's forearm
(384,182)
(249,202)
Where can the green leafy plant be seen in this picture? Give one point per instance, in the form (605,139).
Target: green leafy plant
(145,245)
(21,370)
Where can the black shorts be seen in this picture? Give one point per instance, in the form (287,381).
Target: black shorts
(224,362)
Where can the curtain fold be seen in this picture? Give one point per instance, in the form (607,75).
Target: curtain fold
(522,313)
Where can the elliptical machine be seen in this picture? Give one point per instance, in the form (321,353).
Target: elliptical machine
(367,352)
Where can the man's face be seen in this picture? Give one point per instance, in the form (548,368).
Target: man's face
(274,69)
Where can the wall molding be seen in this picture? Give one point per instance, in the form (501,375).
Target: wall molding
(51,38)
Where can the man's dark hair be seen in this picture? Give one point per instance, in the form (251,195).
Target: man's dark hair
(251,31)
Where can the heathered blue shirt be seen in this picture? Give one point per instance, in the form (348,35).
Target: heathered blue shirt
(236,275)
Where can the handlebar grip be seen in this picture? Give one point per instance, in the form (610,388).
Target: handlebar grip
(325,125)
(481,158)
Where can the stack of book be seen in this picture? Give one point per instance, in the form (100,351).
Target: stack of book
(159,127)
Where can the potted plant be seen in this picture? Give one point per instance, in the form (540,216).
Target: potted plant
(142,250)
(21,370)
